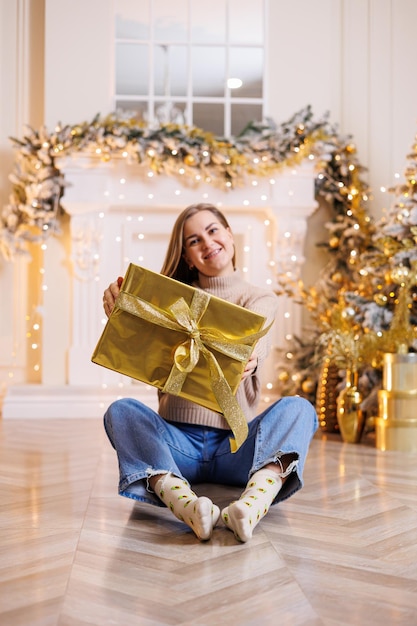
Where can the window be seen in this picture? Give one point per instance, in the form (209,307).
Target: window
(191,63)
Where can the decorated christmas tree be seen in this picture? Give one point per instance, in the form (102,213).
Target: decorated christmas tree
(386,298)
(342,191)
(365,301)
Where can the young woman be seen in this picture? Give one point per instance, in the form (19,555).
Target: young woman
(162,454)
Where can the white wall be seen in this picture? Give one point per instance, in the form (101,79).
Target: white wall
(354,58)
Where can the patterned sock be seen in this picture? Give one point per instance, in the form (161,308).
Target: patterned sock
(243,515)
(200,514)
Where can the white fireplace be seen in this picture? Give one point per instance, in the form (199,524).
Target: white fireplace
(121,213)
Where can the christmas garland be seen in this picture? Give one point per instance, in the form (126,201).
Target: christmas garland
(33,211)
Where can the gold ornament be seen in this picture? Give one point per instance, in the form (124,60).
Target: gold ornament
(337,277)
(380,299)
(308,385)
(350,416)
(283,377)
(334,242)
(189,159)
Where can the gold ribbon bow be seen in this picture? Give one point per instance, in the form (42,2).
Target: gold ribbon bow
(186,319)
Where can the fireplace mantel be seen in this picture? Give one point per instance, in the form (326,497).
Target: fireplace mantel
(121,213)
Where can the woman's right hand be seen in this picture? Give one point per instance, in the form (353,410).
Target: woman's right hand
(110,295)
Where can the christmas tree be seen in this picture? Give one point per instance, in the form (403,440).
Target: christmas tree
(339,185)
(365,302)
(386,300)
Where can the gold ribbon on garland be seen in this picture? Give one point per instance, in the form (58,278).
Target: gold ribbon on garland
(186,319)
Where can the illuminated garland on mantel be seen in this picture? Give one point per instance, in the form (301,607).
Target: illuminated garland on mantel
(33,211)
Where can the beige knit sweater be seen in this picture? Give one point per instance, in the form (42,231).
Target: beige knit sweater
(236,290)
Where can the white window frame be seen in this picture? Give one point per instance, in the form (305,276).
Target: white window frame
(152,100)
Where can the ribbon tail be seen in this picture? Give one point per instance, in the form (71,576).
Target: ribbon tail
(229,406)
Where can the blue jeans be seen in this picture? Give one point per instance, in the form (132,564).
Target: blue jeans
(147,445)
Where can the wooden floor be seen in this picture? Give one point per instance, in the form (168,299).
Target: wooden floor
(73,552)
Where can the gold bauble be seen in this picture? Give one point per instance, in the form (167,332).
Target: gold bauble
(334,242)
(189,159)
(308,385)
(337,277)
(380,299)
(283,377)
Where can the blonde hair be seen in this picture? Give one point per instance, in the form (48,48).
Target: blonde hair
(175,265)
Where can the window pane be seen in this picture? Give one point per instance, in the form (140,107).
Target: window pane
(208,22)
(132,69)
(170,70)
(132,19)
(242,114)
(208,71)
(247,64)
(209,117)
(170,20)
(246,21)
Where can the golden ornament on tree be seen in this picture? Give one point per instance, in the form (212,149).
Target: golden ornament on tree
(308,385)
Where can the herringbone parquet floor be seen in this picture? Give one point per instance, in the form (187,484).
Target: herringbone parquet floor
(343,551)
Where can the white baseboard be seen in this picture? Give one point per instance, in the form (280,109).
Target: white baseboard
(35,401)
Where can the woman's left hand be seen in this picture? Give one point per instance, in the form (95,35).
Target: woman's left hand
(251,366)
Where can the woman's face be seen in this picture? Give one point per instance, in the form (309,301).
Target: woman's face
(208,245)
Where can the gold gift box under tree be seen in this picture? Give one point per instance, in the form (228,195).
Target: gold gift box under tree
(181,340)
(396,424)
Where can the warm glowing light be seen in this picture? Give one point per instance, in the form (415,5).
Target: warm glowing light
(234,83)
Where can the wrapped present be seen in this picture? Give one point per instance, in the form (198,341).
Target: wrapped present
(181,340)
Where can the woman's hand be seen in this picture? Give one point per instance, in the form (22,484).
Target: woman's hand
(110,295)
(251,366)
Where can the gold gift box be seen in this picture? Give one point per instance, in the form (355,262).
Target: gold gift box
(397,405)
(396,434)
(400,372)
(181,340)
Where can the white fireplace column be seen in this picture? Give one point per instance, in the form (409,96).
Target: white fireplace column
(119,214)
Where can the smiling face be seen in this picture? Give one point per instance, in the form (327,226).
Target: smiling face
(208,245)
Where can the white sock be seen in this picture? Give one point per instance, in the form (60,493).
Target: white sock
(244,514)
(200,514)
